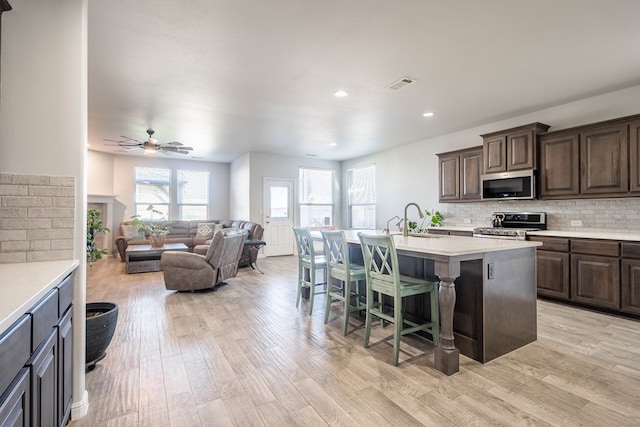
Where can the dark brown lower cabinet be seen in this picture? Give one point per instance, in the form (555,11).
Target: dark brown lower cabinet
(595,280)
(596,273)
(552,266)
(553,274)
(631,286)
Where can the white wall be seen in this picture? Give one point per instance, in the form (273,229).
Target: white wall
(100,173)
(124,183)
(43,119)
(265,165)
(240,188)
(410,173)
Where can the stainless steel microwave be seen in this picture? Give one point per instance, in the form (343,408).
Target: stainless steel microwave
(509,185)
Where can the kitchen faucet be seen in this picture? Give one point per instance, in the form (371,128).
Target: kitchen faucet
(405,230)
(386,230)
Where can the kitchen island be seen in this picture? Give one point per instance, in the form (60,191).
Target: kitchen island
(487,292)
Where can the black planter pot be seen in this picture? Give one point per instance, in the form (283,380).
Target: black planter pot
(101,324)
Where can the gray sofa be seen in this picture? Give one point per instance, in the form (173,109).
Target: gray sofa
(187,232)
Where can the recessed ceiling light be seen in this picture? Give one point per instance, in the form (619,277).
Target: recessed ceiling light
(333,144)
(429,114)
(341,93)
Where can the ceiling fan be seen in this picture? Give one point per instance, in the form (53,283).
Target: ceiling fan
(151,145)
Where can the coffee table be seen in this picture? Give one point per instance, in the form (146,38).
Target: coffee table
(144,258)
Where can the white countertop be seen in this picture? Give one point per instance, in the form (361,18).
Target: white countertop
(23,284)
(632,236)
(450,246)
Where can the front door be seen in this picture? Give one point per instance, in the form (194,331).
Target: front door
(278,216)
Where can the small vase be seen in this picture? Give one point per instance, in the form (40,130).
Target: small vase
(157,240)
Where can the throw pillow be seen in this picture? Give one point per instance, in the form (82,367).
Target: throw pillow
(130,232)
(205,232)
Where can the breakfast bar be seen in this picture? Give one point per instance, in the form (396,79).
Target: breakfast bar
(487,292)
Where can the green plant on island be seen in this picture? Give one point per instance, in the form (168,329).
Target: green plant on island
(435,220)
(94,225)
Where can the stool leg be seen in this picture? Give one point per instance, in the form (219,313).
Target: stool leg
(312,287)
(300,279)
(397,328)
(367,321)
(327,307)
(346,291)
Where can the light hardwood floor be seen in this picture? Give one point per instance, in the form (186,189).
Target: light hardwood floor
(245,356)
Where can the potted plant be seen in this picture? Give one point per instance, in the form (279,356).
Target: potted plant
(94,226)
(435,220)
(156,229)
(101,317)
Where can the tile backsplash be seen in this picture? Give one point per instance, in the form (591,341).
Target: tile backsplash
(36,218)
(614,215)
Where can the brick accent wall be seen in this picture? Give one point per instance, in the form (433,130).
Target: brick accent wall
(613,215)
(36,218)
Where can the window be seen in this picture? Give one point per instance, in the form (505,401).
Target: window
(316,197)
(187,199)
(193,195)
(152,188)
(362,197)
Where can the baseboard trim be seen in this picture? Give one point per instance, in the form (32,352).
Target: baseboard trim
(80,408)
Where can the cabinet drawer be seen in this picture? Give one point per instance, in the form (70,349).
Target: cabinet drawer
(595,247)
(631,250)
(44,316)
(14,350)
(65,294)
(461,233)
(444,232)
(557,244)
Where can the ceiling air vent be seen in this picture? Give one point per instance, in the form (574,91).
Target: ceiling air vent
(405,81)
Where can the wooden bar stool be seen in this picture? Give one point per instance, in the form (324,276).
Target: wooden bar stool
(308,264)
(341,275)
(383,278)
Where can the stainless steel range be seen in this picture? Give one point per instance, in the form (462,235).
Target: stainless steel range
(512,225)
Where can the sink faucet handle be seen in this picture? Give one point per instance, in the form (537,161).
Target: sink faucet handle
(386,230)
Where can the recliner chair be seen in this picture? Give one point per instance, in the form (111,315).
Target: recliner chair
(185,271)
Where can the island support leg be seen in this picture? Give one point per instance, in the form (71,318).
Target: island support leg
(446,355)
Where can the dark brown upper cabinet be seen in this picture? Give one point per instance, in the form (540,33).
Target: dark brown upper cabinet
(4,6)
(604,159)
(559,172)
(512,149)
(634,156)
(459,175)
(470,172)
(591,161)
(449,177)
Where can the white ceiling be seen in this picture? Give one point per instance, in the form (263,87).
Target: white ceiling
(231,76)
